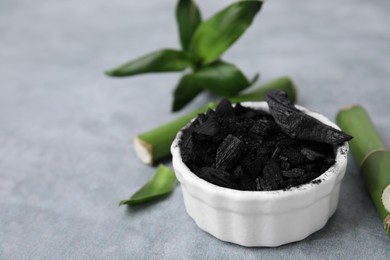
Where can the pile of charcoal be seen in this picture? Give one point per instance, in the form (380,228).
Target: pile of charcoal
(246,149)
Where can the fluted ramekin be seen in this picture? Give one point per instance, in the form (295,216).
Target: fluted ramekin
(262,218)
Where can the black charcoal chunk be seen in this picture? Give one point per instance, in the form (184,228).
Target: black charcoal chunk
(238,173)
(312,167)
(265,185)
(245,112)
(217,177)
(206,130)
(228,152)
(299,125)
(311,154)
(261,127)
(186,149)
(292,156)
(224,108)
(308,177)
(201,119)
(253,169)
(210,113)
(247,184)
(294,173)
(284,165)
(271,174)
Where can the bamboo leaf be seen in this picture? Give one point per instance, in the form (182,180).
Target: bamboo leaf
(162,183)
(186,90)
(222,78)
(188,18)
(158,61)
(215,35)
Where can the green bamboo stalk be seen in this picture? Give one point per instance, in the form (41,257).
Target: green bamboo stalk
(154,145)
(371,155)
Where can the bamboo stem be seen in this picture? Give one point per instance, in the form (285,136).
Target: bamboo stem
(154,145)
(371,155)
(358,123)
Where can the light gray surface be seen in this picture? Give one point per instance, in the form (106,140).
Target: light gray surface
(66,157)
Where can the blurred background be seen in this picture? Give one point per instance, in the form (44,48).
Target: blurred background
(66,157)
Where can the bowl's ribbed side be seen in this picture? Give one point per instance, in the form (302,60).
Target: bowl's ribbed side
(262,229)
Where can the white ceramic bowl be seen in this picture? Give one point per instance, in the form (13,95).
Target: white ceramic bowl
(261,218)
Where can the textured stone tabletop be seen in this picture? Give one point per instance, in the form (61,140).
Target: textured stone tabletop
(66,157)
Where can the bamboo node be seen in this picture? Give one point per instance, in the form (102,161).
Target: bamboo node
(371,153)
(386,198)
(348,107)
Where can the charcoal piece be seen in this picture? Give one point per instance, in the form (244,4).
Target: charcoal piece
(238,173)
(247,184)
(244,112)
(261,127)
(293,173)
(271,169)
(271,173)
(266,148)
(284,165)
(265,185)
(224,108)
(285,140)
(253,146)
(312,167)
(201,119)
(253,169)
(235,128)
(186,149)
(292,156)
(299,125)
(308,177)
(210,113)
(207,130)
(326,164)
(311,154)
(247,123)
(239,110)
(228,152)
(203,153)
(217,177)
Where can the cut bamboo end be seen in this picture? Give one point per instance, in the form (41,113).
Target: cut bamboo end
(143,150)
(386,198)
(348,107)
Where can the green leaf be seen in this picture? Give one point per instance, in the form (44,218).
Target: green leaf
(158,61)
(163,182)
(188,18)
(186,90)
(214,36)
(223,79)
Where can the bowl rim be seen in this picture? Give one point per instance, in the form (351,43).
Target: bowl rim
(331,176)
